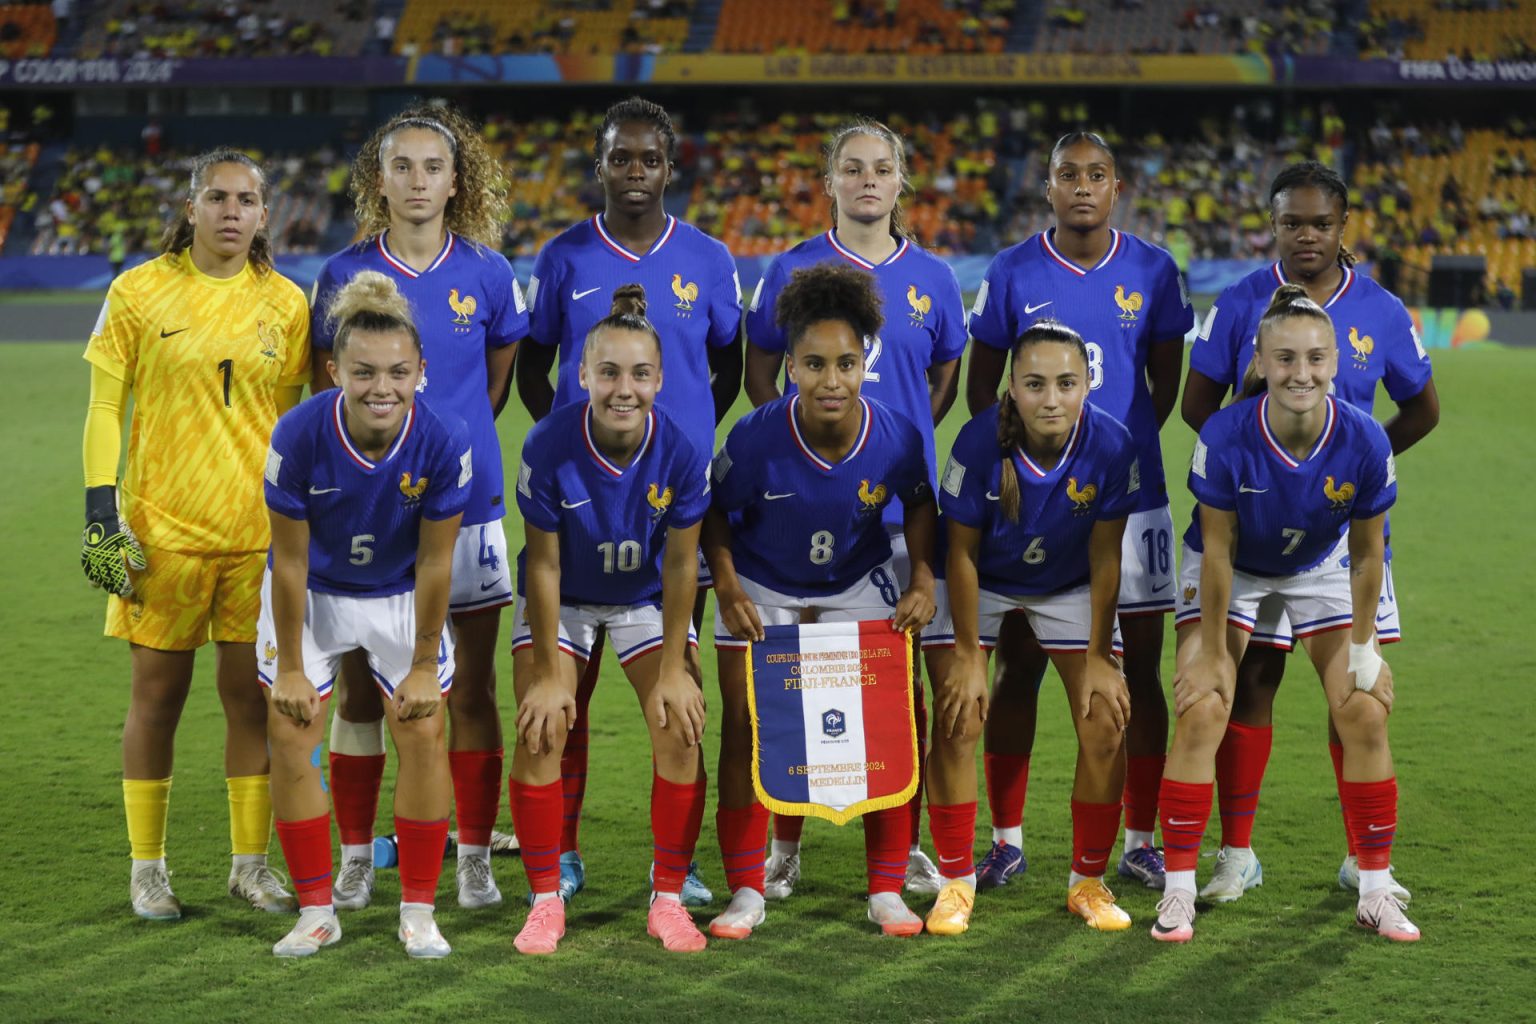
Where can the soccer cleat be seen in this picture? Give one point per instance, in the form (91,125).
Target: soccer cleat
(951,913)
(744,913)
(780,875)
(573,874)
(262,888)
(503,842)
(150,890)
(695,892)
(1349,878)
(1237,871)
(353,888)
(1175,917)
(892,915)
(1381,911)
(543,930)
(1091,900)
(418,930)
(923,878)
(1145,864)
(477,889)
(317,927)
(670,922)
(1000,864)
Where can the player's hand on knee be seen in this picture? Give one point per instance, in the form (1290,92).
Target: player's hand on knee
(677,700)
(420,695)
(294,696)
(1102,679)
(963,687)
(1207,674)
(544,709)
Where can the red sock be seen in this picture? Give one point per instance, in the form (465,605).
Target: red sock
(573,759)
(953,827)
(355,785)
(915,805)
(885,848)
(1336,754)
(1143,776)
(421,858)
(1186,807)
(677,812)
(788,827)
(476,793)
(1240,763)
(1371,810)
(1007,784)
(1094,827)
(536,816)
(307,849)
(743,833)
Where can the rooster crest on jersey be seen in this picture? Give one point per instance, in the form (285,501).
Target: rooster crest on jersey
(1363,345)
(1082,497)
(1340,495)
(463,308)
(270,336)
(412,491)
(1128,304)
(687,294)
(921,305)
(1189,595)
(871,497)
(269,652)
(659,501)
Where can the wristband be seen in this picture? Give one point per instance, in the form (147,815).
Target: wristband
(1365,663)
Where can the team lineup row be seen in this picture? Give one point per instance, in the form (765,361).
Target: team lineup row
(1047,534)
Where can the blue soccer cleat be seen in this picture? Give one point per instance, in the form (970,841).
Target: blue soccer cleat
(1000,864)
(573,876)
(1145,864)
(695,892)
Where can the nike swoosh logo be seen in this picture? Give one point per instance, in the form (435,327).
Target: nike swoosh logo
(490,586)
(1382,828)
(166,334)
(577,296)
(574,504)
(1175,821)
(770,496)
(1384,617)
(1094,860)
(323,490)
(1164,586)
(1030,309)
(1245,489)
(994,497)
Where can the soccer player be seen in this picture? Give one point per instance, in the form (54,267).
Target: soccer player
(431,201)
(912,366)
(365,487)
(612,493)
(1293,488)
(1309,206)
(212,344)
(1036,494)
(695,306)
(1127,300)
(796,530)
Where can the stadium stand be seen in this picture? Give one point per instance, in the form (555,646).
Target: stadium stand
(457,28)
(1198,26)
(1440,29)
(866,26)
(16,164)
(26,30)
(142,28)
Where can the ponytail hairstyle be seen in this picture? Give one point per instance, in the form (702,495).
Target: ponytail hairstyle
(1010,427)
(627,314)
(829,292)
(636,109)
(1311,174)
(875,129)
(1290,302)
(478,207)
(178,233)
(369,302)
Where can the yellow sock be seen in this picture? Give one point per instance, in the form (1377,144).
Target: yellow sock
(250,814)
(147,802)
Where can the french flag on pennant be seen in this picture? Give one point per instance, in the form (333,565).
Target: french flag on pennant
(833,730)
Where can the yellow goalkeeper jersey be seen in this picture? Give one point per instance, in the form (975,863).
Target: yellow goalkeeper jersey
(205,358)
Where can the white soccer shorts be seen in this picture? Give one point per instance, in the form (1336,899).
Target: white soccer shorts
(1146,563)
(874,596)
(1306,603)
(1059,620)
(634,630)
(482,568)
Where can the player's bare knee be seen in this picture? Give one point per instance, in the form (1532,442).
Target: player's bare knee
(1362,720)
(417,736)
(1097,735)
(1205,723)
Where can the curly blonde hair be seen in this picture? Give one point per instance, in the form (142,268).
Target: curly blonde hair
(479,207)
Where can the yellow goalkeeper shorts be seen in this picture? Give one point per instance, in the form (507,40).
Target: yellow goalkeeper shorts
(180,602)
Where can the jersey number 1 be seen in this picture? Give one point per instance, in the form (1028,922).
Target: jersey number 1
(227,368)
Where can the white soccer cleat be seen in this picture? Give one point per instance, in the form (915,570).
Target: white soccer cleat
(1237,870)
(1349,878)
(317,928)
(893,916)
(1382,912)
(262,888)
(477,889)
(743,914)
(150,890)
(923,878)
(418,930)
(1175,917)
(353,888)
(780,875)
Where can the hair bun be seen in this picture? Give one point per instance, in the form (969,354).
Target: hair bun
(629,300)
(369,294)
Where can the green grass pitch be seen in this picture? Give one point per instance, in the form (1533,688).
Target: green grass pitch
(1288,952)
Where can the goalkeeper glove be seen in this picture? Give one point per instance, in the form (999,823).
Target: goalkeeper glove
(109,549)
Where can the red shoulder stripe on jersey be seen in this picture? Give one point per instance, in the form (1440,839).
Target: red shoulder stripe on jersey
(613,243)
(809,453)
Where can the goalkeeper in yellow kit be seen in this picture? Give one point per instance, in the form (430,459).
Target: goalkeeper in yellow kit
(213,345)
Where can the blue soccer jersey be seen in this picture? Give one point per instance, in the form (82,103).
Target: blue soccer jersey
(365,517)
(1377,339)
(612,519)
(1096,479)
(1130,300)
(924,326)
(692,296)
(1290,513)
(466,303)
(801,525)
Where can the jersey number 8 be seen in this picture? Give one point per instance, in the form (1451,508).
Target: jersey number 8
(821,547)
